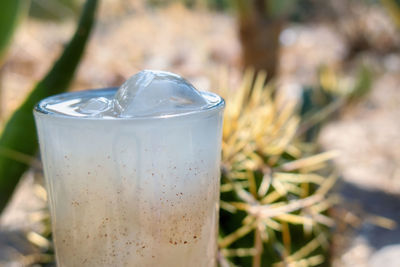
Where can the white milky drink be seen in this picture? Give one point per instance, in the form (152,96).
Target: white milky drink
(133,175)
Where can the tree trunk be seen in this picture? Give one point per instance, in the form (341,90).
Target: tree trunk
(259,36)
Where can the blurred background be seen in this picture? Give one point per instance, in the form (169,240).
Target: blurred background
(338,60)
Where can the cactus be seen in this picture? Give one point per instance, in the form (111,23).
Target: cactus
(275,189)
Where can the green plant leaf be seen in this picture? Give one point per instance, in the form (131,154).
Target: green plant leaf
(19,133)
(10,14)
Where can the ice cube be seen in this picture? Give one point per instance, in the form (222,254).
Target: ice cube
(149,93)
(95,106)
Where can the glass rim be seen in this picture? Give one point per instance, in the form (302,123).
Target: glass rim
(40,108)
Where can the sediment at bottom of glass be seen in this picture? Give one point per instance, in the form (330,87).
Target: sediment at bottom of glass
(176,231)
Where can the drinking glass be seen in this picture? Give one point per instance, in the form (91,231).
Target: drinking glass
(140,191)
